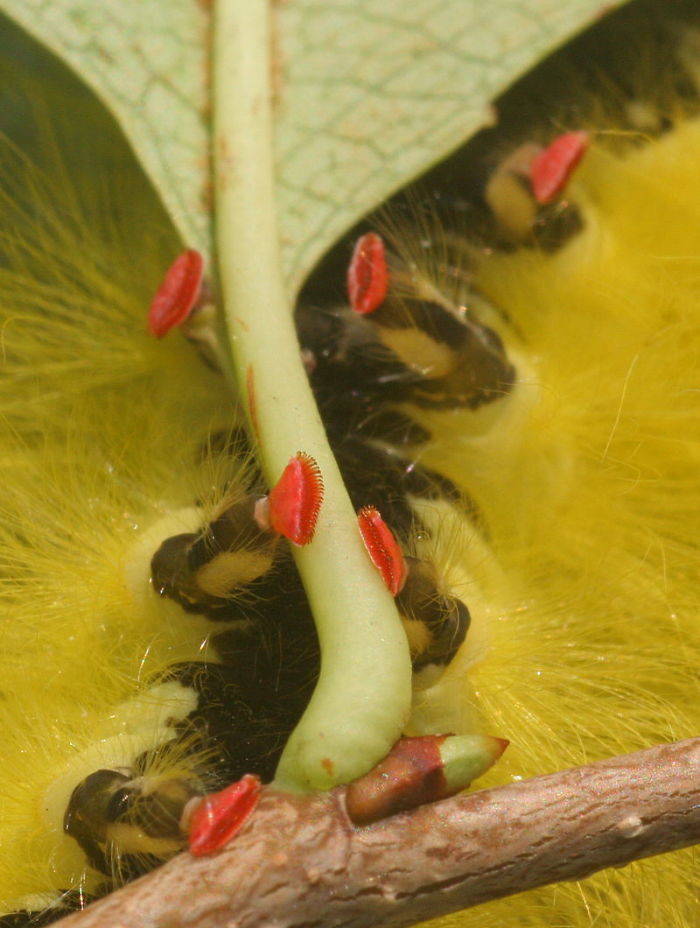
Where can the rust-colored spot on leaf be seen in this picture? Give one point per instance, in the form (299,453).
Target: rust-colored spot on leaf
(219,816)
(252,403)
(551,168)
(383,549)
(328,766)
(177,294)
(296,499)
(368,275)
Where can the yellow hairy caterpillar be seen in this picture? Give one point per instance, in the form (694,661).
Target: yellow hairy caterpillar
(582,588)
(597,533)
(554,497)
(120,703)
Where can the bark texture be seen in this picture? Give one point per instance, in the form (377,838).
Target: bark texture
(299,863)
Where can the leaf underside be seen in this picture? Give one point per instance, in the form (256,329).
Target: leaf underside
(369,94)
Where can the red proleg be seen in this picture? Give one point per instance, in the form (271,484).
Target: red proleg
(295,500)
(383,549)
(551,169)
(177,294)
(368,275)
(219,816)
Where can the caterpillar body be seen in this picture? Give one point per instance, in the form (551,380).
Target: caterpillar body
(580,457)
(522,410)
(169,630)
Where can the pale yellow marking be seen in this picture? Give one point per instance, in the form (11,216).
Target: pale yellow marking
(419,351)
(232,569)
(511,204)
(131,840)
(419,637)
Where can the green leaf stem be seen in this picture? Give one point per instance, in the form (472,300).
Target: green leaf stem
(363,697)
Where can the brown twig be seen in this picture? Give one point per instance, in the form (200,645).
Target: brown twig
(299,862)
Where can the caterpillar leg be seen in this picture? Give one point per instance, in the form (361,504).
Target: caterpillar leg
(203,570)
(125,815)
(418,347)
(436,624)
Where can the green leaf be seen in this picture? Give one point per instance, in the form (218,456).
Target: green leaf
(371,92)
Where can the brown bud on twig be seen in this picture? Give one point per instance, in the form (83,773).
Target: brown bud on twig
(420,770)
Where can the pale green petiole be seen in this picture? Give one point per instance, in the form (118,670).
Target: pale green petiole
(362,699)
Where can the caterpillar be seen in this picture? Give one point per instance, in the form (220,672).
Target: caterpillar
(107,453)
(169,630)
(547,507)
(581,464)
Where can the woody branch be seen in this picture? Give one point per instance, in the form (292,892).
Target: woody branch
(299,862)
